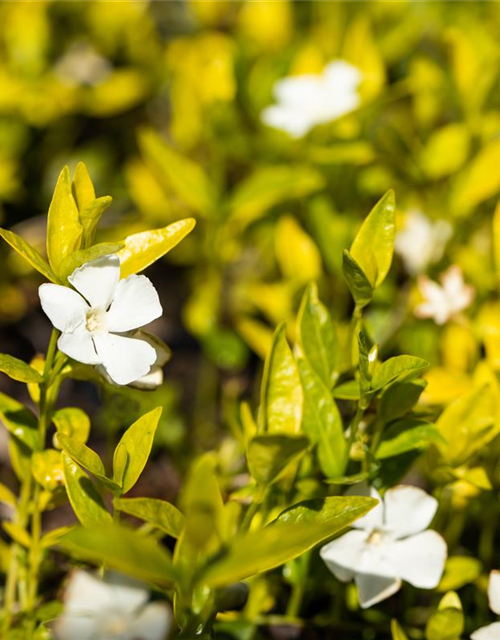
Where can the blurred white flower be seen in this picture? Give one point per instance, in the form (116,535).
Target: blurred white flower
(110,608)
(491,631)
(421,242)
(444,301)
(389,545)
(308,100)
(81,65)
(94,319)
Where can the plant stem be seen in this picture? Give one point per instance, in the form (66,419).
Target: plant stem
(254,507)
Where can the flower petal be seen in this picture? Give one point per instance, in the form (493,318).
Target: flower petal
(342,556)
(79,346)
(408,510)
(375,518)
(494,592)
(64,307)
(295,123)
(135,304)
(128,594)
(125,359)
(419,559)
(75,627)
(153,623)
(86,594)
(490,632)
(97,280)
(373,589)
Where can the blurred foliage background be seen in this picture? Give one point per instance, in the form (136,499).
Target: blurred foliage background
(163,102)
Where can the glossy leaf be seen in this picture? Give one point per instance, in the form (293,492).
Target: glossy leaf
(295,531)
(19,370)
(358,283)
(90,216)
(447,623)
(269,455)
(64,231)
(82,187)
(316,336)
(394,367)
(81,257)
(142,249)
(29,253)
(137,442)
(322,422)
(178,174)
(19,421)
(399,398)
(122,549)
(373,246)
(281,391)
(83,495)
(159,513)
(47,469)
(86,458)
(459,571)
(407,435)
(72,422)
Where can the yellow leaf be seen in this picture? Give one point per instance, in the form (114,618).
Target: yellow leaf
(296,253)
(479,181)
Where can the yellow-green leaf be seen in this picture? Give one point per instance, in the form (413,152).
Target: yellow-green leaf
(29,253)
(297,255)
(159,513)
(19,421)
(397,632)
(83,189)
(72,422)
(357,281)
(142,249)
(83,495)
(47,468)
(269,455)
(81,257)
(19,370)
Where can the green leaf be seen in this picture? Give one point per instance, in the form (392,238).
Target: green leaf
(364,351)
(359,285)
(18,534)
(347,390)
(159,513)
(124,550)
(137,442)
(142,249)
(29,253)
(269,455)
(82,187)
(6,496)
(72,422)
(395,367)
(322,422)
(281,392)
(86,458)
(19,370)
(83,495)
(270,186)
(407,435)
(19,421)
(46,467)
(459,571)
(399,398)
(397,632)
(179,174)
(64,231)
(90,216)
(316,336)
(373,246)
(81,257)
(447,623)
(295,531)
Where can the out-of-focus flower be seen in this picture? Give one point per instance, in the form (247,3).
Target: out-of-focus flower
(491,631)
(308,100)
(81,65)
(389,545)
(444,301)
(110,608)
(421,242)
(96,318)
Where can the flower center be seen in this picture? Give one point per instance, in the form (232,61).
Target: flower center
(115,627)
(95,320)
(375,537)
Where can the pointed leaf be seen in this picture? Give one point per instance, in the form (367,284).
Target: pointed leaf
(86,458)
(83,189)
(395,367)
(83,495)
(397,632)
(268,455)
(359,285)
(19,370)
(408,435)
(90,216)
(159,513)
(29,253)
(81,257)
(19,421)
(142,249)
(399,398)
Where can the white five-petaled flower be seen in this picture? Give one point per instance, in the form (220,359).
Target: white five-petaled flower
(421,241)
(97,318)
(389,545)
(491,631)
(444,301)
(308,100)
(110,608)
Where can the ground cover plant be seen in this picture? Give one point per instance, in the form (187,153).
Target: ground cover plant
(253,392)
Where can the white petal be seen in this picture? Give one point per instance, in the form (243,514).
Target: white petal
(64,307)
(375,518)
(150,381)
(295,123)
(494,592)
(128,594)
(125,359)
(491,632)
(342,556)
(153,623)
(97,280)
(87,594)
(135,304)
(420,559)
(374,589)
(408,510)
(79,346)
(342,75)
(75,627)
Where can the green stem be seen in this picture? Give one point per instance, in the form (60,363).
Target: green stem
(299,588)
(254,507)
(353,432)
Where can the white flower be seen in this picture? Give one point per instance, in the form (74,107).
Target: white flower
(491,631)
(111,608)
(82,65)
(308,100)
(389,545)
(421,241)
(443,302)
(96,318)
